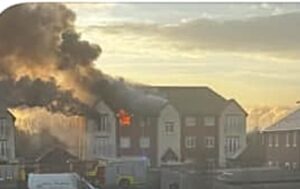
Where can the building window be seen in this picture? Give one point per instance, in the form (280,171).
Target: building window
(270,140)
(3,125)
(209,121)
(209,142)
(287,139)
(190,121)
(232,144)
(233,122)
(294,165)
(263,139)
(276,140)
(295,139)
(169,127)
(103,123)
(190,142)
(125,142)
(3,148)
(144,142)
(270,163)
(102,147)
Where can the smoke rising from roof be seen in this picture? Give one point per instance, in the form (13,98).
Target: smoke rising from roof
(45,63)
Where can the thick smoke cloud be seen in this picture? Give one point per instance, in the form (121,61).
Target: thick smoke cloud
(38,93)
(42,57)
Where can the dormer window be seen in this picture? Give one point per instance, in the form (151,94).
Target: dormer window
(103,123)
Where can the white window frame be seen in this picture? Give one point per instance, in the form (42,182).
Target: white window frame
(125,142)
(270,163)
(295,139)
(209,141)
(276,138)
(190,121)
(145,142)
(103,123)
(169,127)
(190,142)
(294,165)
(287,140)
(209,121)
(270,140)
(3,148)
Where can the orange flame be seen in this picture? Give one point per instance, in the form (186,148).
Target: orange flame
(124,118)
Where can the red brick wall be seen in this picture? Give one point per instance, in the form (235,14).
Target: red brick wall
(200,153)
(135,131)
(282,153)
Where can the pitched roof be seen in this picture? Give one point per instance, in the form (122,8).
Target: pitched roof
(194,100)
(288,123)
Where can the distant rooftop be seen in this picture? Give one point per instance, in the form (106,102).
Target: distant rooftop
(194,99)
(289,122)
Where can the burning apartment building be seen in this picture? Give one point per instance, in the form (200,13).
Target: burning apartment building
(100,134)
(154,132)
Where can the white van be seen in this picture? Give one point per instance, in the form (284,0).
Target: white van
(57,181)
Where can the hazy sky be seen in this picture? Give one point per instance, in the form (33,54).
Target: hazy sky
(249,52)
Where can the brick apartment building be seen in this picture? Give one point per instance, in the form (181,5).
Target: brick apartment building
(154,132)
(175,124)
(213,129)
(281,141)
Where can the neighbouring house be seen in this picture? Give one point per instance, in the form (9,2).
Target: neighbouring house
(54,160)
(153,131)
(7,136)
(100,134)
(281,141)
(213,129)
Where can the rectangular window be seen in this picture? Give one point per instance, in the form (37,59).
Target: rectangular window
(270,140)
(190,142)
(276,140)
(3,125)
(144,142)
(233,122)
(3,148)
(209,141)
(190,121)
(209,121)
(169,127)
(232,144)
(102,146)
(125,142)
(295,139)
(287,139)
(103,124)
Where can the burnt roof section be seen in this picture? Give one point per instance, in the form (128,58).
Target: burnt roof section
(138,101)
(194,100)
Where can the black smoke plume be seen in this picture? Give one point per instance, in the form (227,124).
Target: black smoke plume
(38,42)
(38,93)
